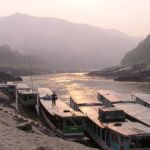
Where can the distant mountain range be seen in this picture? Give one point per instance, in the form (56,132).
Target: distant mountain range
(139,55)
(65,45)
(12,58)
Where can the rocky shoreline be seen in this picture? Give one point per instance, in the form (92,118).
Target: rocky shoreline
(4,77)
(136,73)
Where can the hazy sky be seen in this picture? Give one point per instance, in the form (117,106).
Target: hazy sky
(129,16)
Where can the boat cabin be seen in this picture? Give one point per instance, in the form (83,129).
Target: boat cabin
(143,99)
(62,119)
(26,96)
(111,114)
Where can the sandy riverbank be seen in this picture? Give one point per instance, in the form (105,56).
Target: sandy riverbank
(12,138)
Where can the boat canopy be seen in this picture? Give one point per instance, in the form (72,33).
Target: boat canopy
(10,84)
(143,97)
(130,129)
(114,97)
(136,111)
(22,86)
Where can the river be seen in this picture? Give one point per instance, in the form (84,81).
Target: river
(63,83)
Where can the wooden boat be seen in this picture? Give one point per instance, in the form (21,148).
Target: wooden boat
(143,99)
(133,110)
(25,95)
(110,129)
(66,122)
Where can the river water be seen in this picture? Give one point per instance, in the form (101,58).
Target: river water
(63,83)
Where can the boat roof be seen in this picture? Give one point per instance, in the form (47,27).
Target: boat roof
(136,111)
(92,113)
(44,91)
(143,97)
(115,97)
(85,98)
(61,109)
(27,92)
(130,129)
(21,86)
(3,85)
(110,109)
(10,84)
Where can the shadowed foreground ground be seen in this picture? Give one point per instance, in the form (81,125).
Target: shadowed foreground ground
(12,138)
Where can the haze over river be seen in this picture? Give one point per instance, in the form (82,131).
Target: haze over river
(63,83)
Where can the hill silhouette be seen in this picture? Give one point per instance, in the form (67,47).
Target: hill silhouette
(139,55)
(12,58)
(65,45)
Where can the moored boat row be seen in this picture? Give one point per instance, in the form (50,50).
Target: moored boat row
(134,111)
(113,121)
(108,125)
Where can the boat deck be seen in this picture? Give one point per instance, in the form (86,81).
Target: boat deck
(3,85)
(44,91)
(27,92)
(10,84)
(61,109)
(130,129)
(92,113)
(85,98)
(114,97)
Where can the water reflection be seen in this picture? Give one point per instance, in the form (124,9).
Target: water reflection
(63,83)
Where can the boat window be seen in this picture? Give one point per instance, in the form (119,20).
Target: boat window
(74,122)
(114,138)
(140,143)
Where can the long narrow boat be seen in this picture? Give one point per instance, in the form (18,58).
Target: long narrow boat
(25,95)
(66,122)
(109,128)
(133,110)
